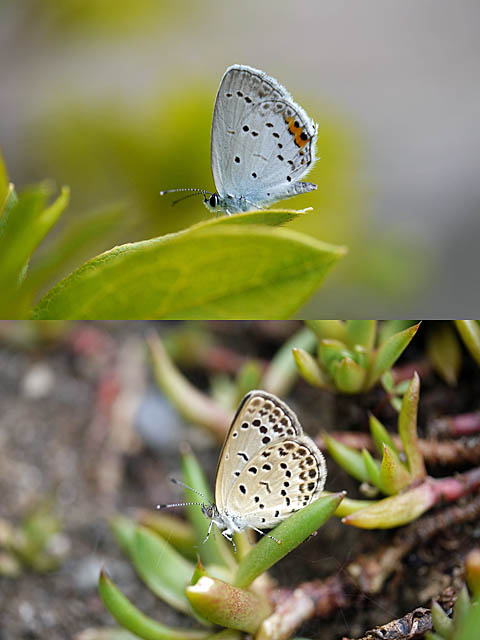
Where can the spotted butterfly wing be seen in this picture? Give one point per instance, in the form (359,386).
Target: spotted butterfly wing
(262,141)
(268,467)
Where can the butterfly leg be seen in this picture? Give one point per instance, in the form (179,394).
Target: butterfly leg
(228,535)
(209,531)
(266,534)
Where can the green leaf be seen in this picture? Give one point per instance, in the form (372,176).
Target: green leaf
(373,469)
(389,352)
(163,569)
(444,352)
(348,375)
(191,403)
(470,332)
(361,332)
(178,532)
(407,429)
(131,618)
(291,532)
(22,228)
(328,329)
(216,550)
(330,351)
(393,475)
(471,624)
(472,572)
(348,458)
(124,532)
(380,435)
(309,369)
(441,622)
(83,236)
(395,511)
(228,605)
(220,270)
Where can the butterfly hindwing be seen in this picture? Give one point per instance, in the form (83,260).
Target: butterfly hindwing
(286,476)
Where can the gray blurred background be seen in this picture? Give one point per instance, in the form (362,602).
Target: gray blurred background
(115,99)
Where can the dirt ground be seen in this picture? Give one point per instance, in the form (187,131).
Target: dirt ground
(83,423)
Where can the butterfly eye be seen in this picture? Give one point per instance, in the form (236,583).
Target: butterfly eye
(213,200)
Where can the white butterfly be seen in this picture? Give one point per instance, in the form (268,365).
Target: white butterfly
(268,468)
(262,143)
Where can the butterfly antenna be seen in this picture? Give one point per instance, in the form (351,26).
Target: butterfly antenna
(186,486)
(194,189)
(179,504)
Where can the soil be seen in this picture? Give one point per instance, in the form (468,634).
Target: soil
(83,423)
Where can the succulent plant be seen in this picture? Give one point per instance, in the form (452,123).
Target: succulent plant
(465,621)
(224,588)
(352,356)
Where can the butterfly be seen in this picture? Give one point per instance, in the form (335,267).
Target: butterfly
(268,468)
(262,143)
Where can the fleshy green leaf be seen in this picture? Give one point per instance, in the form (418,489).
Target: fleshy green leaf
(394,511)
(441,622)
(470,332)
(348,375)
(227,605)
(191,403)
(380,435)
(216,550)
(407,429)
(389,352)
(212,270)
(350,459)
(22,228)
(393,475)
(330,351)
(361,332)
(291,532)
(163,569)
(444,351)
(178,532)
(309,369)
(328,329)
(373,469)
(127,615)
(472,572)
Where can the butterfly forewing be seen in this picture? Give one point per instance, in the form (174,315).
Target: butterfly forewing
(261,139)
(268,468)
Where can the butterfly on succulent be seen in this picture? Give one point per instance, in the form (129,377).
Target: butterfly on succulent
(268,469)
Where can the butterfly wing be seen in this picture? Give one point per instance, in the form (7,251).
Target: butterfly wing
(288,475)
(262,141)
(261,419)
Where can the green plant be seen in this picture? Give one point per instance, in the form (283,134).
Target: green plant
(465,621)
(224,588)
(400,475)
(352,356)
(36,544)
(227,267)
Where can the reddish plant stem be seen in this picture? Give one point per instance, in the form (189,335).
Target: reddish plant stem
(367,573)
(463,424)
(443,453)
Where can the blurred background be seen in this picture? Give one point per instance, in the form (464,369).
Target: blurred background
(115,100)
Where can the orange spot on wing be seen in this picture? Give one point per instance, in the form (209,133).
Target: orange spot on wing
(300,140)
